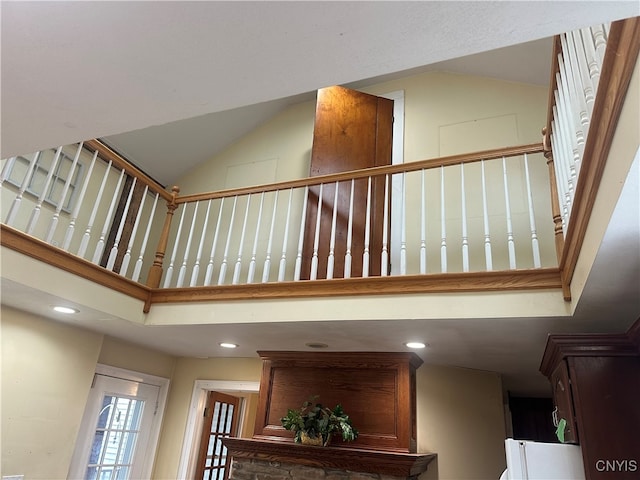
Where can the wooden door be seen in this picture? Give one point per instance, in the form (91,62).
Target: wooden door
(353,130)
(220,421)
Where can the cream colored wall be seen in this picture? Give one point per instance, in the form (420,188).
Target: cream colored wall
(47,370)
(433,101)
(186,372)
(121,354)
(460,417)
(445,114)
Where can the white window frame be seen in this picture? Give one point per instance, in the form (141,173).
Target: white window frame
(56,178)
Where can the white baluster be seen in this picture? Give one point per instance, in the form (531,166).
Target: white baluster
(6,169)
(587,85)
(423,225)
(298,266)
(15,205)
(569,105)
(443,225)
(254,252)
(316,240)
(183,268)
(84,243)
(367,233)
(532,217)
(600,41)
(223,265)
(403,226)
(138,266)
(332,240)
(568,164)
(465,238)
(577,88)
(238,266)
(66,243)
(196,266)
(485,216)
(347,254)
(107,221)
(54,220)
(568,139)
(507,203)
(384,267)
(267,261)
(209,272)
(127,254)
(174,254)
(592,59)
(35,213)
(113,254)
(283,258)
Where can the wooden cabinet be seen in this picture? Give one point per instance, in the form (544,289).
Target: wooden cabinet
(596,388)
(376,389)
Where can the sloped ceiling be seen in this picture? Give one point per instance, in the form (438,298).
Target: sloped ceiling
(78,70)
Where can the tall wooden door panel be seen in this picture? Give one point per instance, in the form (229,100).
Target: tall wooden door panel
(220,421)
(353,130)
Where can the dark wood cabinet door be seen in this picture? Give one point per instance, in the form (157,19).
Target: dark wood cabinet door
(607,405)
(353,130)
(563,402)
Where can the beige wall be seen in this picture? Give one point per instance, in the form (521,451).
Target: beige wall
(187,371)
(444,114)
(434,102)
(460,417)
(47,369)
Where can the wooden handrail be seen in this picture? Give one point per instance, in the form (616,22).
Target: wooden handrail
(46,253)
(106,153)
(620,59)
(370,172)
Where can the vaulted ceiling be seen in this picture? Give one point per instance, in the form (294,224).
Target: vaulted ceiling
(171,83)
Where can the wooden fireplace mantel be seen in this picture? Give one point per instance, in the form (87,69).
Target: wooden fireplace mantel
(358,460)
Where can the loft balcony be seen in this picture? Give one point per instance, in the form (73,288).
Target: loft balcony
(504,219)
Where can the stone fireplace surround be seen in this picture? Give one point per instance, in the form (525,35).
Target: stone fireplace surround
(382,382)
(278,460)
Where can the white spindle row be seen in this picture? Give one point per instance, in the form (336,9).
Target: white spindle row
(579,65)
(59,195)
(448,212)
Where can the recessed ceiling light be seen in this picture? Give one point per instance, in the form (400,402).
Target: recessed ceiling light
(415,345)
(228,345)
(316,345)
(63,309)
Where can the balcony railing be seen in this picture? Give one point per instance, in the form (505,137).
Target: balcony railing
(481,221)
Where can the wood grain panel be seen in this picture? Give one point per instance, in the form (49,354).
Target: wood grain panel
(377,390)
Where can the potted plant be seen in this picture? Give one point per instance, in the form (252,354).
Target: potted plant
(314,424)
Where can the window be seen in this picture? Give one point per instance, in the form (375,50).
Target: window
(63,170)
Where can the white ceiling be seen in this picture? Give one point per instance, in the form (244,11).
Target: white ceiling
(73,71)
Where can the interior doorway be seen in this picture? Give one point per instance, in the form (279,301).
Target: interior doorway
(247,392)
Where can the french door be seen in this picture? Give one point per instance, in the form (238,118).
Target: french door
(115,430)
(220,421)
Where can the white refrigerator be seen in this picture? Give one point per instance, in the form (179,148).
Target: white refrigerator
(528,460)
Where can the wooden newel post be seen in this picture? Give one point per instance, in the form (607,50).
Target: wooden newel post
(155,272)
(555,205)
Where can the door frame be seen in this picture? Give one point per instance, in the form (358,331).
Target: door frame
(163,390)
(189,453)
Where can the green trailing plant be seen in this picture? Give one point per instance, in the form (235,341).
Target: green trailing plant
(319,423)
